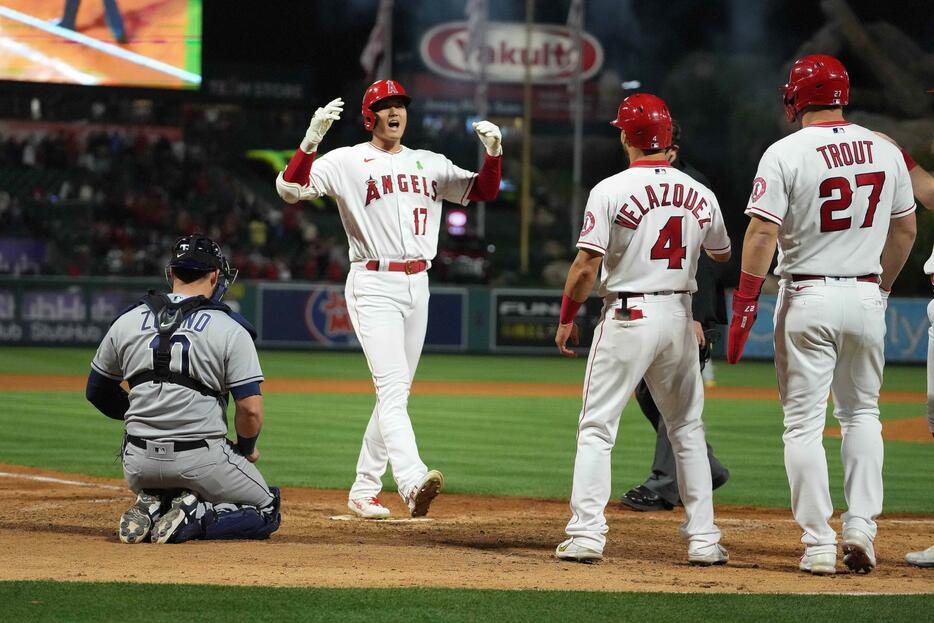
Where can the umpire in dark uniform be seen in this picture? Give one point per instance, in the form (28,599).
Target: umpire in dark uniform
(660,491)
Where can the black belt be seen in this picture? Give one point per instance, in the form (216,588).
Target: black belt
(869,278)
(178,446)
(627,295)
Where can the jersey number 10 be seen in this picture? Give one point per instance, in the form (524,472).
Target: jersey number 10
(176,339)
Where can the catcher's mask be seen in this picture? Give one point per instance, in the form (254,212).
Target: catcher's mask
(199,253)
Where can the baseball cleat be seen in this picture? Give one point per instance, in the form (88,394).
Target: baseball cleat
(819,564)
(136,521)
(569,550)
(169,527)
(921,559)
(714,554)
(643,499)
(427,490)
(368,508)
(858,553)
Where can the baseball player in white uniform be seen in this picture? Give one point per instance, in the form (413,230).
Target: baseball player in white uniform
(922,184)
(837,199)
(390,201)
(646,227)
(181,354)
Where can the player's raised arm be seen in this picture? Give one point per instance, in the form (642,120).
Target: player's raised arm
(291,184)
(486,185)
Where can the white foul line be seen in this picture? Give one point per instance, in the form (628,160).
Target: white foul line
(59,481)
(55,64)
(101,46)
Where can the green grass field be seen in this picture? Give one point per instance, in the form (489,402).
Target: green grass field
(488,445)
(49,601)
(485,445)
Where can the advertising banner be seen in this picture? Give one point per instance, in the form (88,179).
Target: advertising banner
(526,320)
(61,315)
(906,336)
(316,316)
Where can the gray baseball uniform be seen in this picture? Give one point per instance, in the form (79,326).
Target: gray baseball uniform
(213,349)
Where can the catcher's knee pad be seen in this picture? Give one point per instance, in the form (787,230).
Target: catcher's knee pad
(247,522)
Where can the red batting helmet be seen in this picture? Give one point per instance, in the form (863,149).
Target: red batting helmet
(815,80)
(380,90)
(645,120)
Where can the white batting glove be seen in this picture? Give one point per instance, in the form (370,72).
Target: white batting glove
(885,297)
(490,136)
(321,123)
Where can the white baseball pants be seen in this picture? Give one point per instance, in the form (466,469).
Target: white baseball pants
(931,367)
(389,312)
(829,337)
(660,347)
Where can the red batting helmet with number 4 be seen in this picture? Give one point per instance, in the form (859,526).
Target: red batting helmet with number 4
(380,90)
(815,80)
(645,120)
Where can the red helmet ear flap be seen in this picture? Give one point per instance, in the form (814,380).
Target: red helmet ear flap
(380,90)
(645,120)
(815,80)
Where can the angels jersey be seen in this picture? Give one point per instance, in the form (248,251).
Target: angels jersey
(390,203)
(832,189)
(650,222)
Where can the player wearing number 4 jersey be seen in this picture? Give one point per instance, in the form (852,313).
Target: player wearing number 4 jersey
(389,197)
(837,199)
(646,226)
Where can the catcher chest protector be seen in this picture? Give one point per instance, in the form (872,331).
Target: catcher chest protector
(168,317)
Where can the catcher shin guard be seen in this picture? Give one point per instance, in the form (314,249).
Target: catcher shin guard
(246,522)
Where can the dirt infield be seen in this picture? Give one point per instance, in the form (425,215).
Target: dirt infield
(58,526)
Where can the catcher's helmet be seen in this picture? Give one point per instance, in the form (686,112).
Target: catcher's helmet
(815,80)
(645,120)
(200,253)
(380,90)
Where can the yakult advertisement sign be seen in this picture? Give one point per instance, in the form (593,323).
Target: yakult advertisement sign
(552,55)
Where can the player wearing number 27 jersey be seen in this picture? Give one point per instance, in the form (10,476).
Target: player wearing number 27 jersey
(646,226)
(837,199)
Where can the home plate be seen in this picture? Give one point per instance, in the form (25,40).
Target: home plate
(404,520)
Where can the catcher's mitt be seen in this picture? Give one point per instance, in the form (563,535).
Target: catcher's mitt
(710,336)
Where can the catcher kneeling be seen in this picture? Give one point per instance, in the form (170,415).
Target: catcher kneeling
(181,355)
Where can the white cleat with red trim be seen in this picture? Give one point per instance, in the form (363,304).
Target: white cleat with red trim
(368,508)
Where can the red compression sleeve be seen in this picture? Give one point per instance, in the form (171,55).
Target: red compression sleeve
(486,185)
(749,285)
(909,161)
(569,309)
(299,167)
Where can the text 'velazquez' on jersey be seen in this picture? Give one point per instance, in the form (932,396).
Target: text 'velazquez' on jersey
(662,195)
(403,183)
(846,153)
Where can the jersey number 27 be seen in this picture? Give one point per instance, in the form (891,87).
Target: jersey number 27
(842,201)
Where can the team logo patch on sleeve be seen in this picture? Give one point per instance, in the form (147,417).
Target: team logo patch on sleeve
(758,188)
(589,222)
